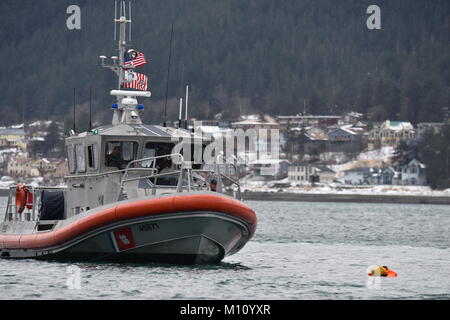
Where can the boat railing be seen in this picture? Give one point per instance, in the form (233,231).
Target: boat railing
(235,182)
(139,165)
(188,179)
(31,210)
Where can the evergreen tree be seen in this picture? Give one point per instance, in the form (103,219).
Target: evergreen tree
(435,154)
(273,54)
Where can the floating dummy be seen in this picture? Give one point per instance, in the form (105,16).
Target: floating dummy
(381,271)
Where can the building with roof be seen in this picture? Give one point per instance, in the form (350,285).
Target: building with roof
(22,167)
(305,173)
(413,174)
(307,121)
(390,133)
(390,176)
(268,169)
(358,176)
(313,141)
(345,139)
(265,129)
(13,137)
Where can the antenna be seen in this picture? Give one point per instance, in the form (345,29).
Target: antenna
(115,22)
(181,112)
(73,127)
(129,12)
(90,108)
(168,75)
(186,111)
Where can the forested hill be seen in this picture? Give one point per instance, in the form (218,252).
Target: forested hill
(238,56)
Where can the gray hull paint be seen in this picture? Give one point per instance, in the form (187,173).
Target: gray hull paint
(188,237)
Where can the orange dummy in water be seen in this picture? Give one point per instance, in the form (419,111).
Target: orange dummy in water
(382,271)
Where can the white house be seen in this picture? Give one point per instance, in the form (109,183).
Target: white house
(358,176)
(268,169)
(303,173)
(414,174)
(390,133)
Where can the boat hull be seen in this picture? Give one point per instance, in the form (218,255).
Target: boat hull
(189,237)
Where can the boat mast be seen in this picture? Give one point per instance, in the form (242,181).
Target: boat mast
(122,41)
(126,110)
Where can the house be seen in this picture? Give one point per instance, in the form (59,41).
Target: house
(322,122)
(12,137)
(323,174)
(358,176)
(390,133)
(26,167)
(413,174)
(353,118)
(389,176)
(262,129)
(268,169)
(313,141)
(345,139)
(22,167)
(303,173)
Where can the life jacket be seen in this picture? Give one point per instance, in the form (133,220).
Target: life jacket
(21,197)
(29,201)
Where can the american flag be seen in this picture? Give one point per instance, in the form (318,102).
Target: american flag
(134,58)
(137,81)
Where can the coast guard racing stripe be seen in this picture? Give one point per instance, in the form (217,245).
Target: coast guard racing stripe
(122,239)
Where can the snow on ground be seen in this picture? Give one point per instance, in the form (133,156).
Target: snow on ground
(374,158)
(40,123)
(335,188)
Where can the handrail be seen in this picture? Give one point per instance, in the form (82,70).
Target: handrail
(153,168)
(11,209)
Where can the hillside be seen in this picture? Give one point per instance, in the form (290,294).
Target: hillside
(238,56)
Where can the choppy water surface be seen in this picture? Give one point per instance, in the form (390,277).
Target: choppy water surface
(300,251)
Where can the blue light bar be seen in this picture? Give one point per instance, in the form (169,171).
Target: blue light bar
(140,107)
(115,106)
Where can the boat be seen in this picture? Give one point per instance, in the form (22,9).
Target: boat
(129,197)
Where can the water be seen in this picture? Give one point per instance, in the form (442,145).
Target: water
(300,251)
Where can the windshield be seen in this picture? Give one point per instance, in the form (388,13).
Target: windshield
(120,153)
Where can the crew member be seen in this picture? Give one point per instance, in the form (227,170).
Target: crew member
(114,159)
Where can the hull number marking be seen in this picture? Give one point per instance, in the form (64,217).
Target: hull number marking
(149,227)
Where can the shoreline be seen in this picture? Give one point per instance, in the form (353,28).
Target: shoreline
(331,197)
(355,198)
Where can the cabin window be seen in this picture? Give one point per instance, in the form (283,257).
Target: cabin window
(156,149)
(194,154)
(93,156)
(71,158)
(120,153)
(149,152)
(81,158)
